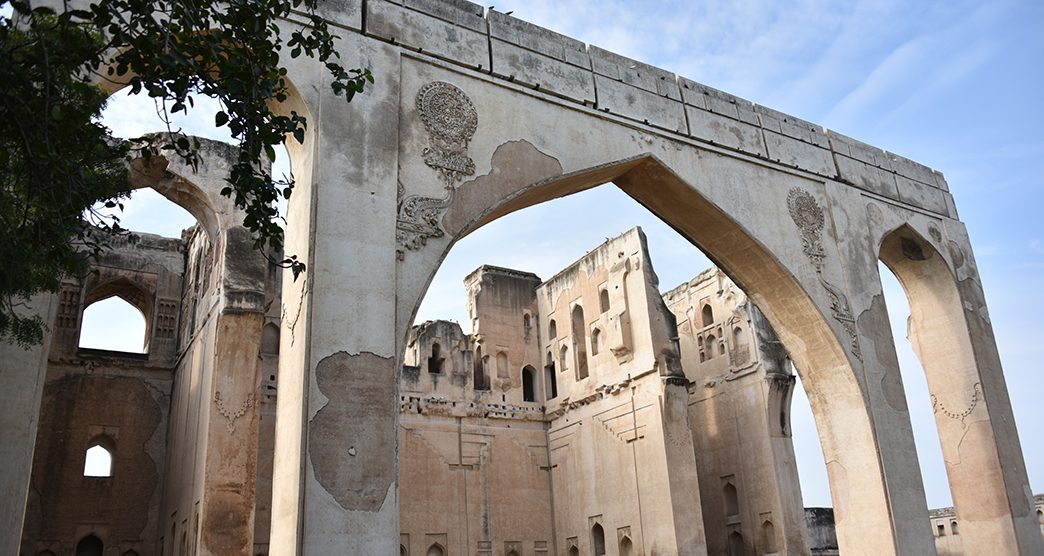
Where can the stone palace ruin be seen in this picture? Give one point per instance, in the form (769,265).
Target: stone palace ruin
(573,401)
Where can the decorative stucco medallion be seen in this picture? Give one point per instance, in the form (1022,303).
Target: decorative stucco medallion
(808,216)
(451,119)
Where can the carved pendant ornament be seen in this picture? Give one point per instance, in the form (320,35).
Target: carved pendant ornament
(450,119)
(938,407)
(231,414)
(809,218)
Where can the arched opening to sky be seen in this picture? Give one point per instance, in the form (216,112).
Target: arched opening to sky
(113,323)
(130,116)
(546,238)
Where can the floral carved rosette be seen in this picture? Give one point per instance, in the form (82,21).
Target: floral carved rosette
(451,120)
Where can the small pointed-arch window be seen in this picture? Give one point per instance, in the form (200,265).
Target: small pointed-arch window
(708,315)
(552,329)
(97,461)
(603,301)
(598,539)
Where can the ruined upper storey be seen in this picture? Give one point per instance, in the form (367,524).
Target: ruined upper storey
(506,48)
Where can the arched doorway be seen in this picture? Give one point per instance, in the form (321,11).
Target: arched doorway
(90,546)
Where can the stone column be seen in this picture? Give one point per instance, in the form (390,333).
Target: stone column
(952,335)
(227,506)
(886,400)
(335,477)
(23,372)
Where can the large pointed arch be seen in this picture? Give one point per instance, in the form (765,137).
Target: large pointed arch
(794,307)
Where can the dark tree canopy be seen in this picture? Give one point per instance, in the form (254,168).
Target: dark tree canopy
(58,164)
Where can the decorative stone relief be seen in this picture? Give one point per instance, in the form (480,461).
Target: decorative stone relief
(938,407)
(232,414)
(809,218)
(419,219)
(451,120)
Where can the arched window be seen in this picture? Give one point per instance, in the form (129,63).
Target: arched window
(626,547)
(738,337)
(45,553)
(708,315)
(1040,516)
(768,538)
(596,339)
(550,380)
(90,546)
(131,553)
(603,301)
(97,461)
(710,345)
(940,530)
(481,372)
(953,527)
(528,384)
(552,329)
(502,365)
(736,544)
(730,499)
(114,324)
(511,553)
(598,539)
(574,551)
(270,339)
(526,323)
(563,358)
(580,341)
(402,550)
(436,550)
(435,361)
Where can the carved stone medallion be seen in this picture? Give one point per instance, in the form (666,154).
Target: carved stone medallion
(451,119)
(809,218)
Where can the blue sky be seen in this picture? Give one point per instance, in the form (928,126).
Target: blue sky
(952,84)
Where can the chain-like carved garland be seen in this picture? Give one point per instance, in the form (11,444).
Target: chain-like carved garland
(809,218)
(451,120)
(229,414)
(938,407)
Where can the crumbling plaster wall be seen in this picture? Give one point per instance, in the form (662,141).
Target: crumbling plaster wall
(739,406)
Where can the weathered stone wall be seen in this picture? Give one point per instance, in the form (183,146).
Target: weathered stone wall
(621,450)
(118,400)
(739,408)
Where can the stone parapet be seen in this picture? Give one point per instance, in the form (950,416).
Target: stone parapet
(508,48)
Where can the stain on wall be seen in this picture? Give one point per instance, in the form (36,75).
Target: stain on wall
(349,439)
